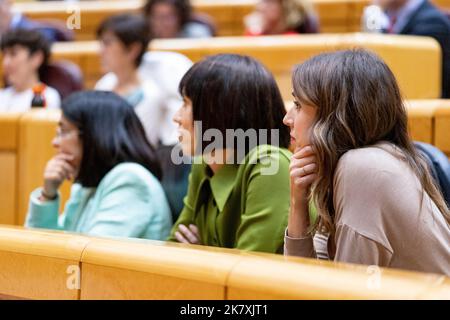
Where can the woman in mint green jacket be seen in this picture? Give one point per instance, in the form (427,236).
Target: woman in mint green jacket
(101,145)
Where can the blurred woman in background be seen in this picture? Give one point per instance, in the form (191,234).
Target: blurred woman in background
(124,40)
(175,19)
(277,17)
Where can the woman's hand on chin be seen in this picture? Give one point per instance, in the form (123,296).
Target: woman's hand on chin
(56,171)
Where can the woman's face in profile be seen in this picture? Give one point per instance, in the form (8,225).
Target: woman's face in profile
(300,119)
(68,141)
(186,134)
(113,53)
(271,12)
(164,21)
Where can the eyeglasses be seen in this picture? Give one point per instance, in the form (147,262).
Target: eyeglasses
(64,133)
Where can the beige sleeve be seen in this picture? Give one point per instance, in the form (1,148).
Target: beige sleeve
(300,247)
(352,247)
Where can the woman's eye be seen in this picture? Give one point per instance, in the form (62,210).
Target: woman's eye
(297,105)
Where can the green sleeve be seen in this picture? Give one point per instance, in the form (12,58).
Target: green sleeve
(267,208)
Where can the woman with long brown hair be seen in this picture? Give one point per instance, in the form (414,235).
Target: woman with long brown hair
(354,161)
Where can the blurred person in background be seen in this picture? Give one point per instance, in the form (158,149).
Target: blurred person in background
(149,81)
(412,17)
(25,57)
(123,41)
(272,17)
(175,19)
(11,20)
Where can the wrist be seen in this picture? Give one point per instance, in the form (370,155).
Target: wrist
(48,196)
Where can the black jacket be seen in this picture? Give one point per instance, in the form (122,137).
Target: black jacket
(427,20)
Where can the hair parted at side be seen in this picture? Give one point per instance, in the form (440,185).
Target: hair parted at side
(230,91)
(358,104)
(111,133)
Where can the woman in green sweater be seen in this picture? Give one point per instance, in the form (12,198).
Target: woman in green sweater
(231,123)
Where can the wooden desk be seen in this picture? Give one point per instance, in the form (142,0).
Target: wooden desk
(281,53)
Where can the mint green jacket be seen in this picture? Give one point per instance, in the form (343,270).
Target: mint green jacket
(243,206)
(128,202)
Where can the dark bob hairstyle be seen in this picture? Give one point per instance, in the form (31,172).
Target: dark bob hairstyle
(111,133)
(183,9)
(230,91)
(32,40)
(129,29)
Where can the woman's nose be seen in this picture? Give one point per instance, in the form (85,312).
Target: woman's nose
(55,142)
(287,120)
(176,117)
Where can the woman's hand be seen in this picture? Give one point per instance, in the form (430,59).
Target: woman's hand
(57,170)
(188,235)
(303,172)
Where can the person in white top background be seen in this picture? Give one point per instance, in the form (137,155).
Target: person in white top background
(149,81)
(25,56)
(124,40)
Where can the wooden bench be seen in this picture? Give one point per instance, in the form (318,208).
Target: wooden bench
(281,53)
(40,264)
(9,124)
(154,270)
(334,15)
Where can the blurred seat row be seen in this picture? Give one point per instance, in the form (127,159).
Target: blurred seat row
(228,15)
(281,53)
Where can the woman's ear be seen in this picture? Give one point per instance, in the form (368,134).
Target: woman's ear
(134,50)
(37,59)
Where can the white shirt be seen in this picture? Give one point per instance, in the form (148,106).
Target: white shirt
(13,101)
(160,73)
(150,109)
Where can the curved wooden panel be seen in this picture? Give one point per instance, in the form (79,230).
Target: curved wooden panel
(296,278)
(153,270)
(40,265)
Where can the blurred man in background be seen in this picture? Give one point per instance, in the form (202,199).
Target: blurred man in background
(412,17)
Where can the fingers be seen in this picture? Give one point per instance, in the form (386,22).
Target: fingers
(304,181)
(64,156)
(299,163)
(304,171)
(304,152)
(180,237)
(188,235)
(59,167)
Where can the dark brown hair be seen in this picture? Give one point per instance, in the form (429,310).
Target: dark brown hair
(182,7)
(129,29)
(32,40)
(111,134)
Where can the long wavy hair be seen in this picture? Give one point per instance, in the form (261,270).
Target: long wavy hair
(358,104)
